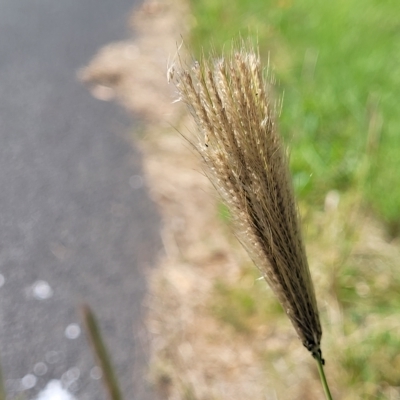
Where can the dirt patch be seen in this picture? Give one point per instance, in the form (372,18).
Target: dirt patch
(134,71)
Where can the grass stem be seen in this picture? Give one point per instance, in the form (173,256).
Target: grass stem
(323,377)
(100,351)
(2,389)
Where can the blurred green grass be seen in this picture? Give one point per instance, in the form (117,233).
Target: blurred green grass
(338,64)
(245,305)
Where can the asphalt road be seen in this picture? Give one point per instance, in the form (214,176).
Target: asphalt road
(76,221)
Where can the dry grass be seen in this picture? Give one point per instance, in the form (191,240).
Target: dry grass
(233,106)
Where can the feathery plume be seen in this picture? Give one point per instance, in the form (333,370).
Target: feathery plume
(230,100)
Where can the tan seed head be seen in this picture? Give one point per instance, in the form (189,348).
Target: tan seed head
(246,161)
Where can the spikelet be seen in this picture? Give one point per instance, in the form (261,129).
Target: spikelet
(246,161)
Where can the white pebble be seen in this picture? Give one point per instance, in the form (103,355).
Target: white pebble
(96,373)
(54,391)
(70,376)
(42,290)
(53,357)
(72,331)
(28,381)
(40,369)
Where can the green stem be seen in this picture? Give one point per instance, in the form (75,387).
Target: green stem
(99,349)
(323,377)
(2,390)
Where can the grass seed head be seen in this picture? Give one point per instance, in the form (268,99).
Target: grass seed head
(231,102)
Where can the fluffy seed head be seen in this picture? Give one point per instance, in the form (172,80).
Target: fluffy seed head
(246,161)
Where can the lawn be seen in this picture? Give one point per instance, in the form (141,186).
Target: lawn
(338,65)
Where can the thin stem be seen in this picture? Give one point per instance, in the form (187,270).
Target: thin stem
(99,349)
(323,377)
(2,390)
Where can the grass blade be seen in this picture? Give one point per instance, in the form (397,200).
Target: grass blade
(100,351)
